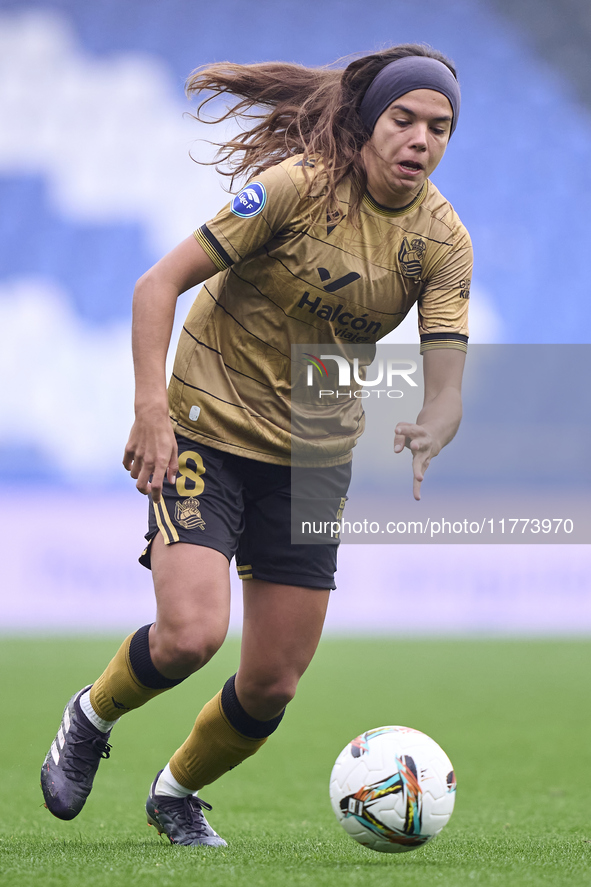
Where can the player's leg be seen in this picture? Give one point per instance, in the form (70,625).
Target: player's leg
(193,600)
(285,599)
(282,627)
(191,543)
(192,588)
(286,592)
(193,606)
(193,539)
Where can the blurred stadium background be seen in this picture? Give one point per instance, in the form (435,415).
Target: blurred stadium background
(96,183)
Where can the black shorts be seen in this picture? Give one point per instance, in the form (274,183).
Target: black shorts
(242,507)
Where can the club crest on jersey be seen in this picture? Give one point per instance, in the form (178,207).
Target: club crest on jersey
(250,201)
(188,515)
(410,256)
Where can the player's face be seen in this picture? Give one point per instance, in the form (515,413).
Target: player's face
(406,145)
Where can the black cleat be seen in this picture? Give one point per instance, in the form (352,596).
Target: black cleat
(181,819)
(70,765)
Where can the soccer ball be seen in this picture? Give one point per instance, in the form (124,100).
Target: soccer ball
(393,789)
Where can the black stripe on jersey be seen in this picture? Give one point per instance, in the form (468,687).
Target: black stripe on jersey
(216,251)
(269,423)
(227,365)
(430,341)
(216,440)
(221,399)
(241,325)
(304,194)
(321,290)
(274,303)
(394,224)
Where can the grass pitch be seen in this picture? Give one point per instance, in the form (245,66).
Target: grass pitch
(512,715)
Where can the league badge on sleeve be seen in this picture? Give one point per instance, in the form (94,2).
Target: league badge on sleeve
(250,201)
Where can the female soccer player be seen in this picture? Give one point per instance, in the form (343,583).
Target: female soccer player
(339,233)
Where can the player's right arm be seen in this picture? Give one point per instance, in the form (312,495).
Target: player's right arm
(151,449)
(229,237)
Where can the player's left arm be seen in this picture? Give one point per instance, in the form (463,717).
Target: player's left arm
(440,416)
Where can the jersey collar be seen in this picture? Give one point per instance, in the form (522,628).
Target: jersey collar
(402,211)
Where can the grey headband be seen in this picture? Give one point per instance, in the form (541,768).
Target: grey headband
(404,75)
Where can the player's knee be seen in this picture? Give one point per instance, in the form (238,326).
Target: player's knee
(272,693)
(185,652)
(280,696)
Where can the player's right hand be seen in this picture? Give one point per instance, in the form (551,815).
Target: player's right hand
(151,453)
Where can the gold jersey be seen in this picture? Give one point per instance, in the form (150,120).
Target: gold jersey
(289,274)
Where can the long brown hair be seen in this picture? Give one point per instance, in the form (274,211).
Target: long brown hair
(287,109)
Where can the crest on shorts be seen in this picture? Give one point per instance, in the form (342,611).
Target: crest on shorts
(187,514)
(410,256)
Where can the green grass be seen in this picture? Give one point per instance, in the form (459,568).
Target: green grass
(512,715)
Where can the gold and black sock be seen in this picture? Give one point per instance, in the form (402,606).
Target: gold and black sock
(130,679)
(224,735)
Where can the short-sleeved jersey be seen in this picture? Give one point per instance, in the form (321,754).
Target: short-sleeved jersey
(290,274)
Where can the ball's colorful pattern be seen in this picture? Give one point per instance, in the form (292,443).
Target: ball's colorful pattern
(393,789)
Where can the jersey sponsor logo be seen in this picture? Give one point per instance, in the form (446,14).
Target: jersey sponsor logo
(465,288)
(188,515)
(354,328)
(250,201)
(337,284)
(346,325)
(410,256)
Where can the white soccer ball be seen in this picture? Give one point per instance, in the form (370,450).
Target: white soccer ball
(393,789)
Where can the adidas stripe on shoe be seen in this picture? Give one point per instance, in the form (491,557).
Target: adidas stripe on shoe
(71,763)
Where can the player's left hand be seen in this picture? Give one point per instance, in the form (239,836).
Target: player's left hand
(422,446)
